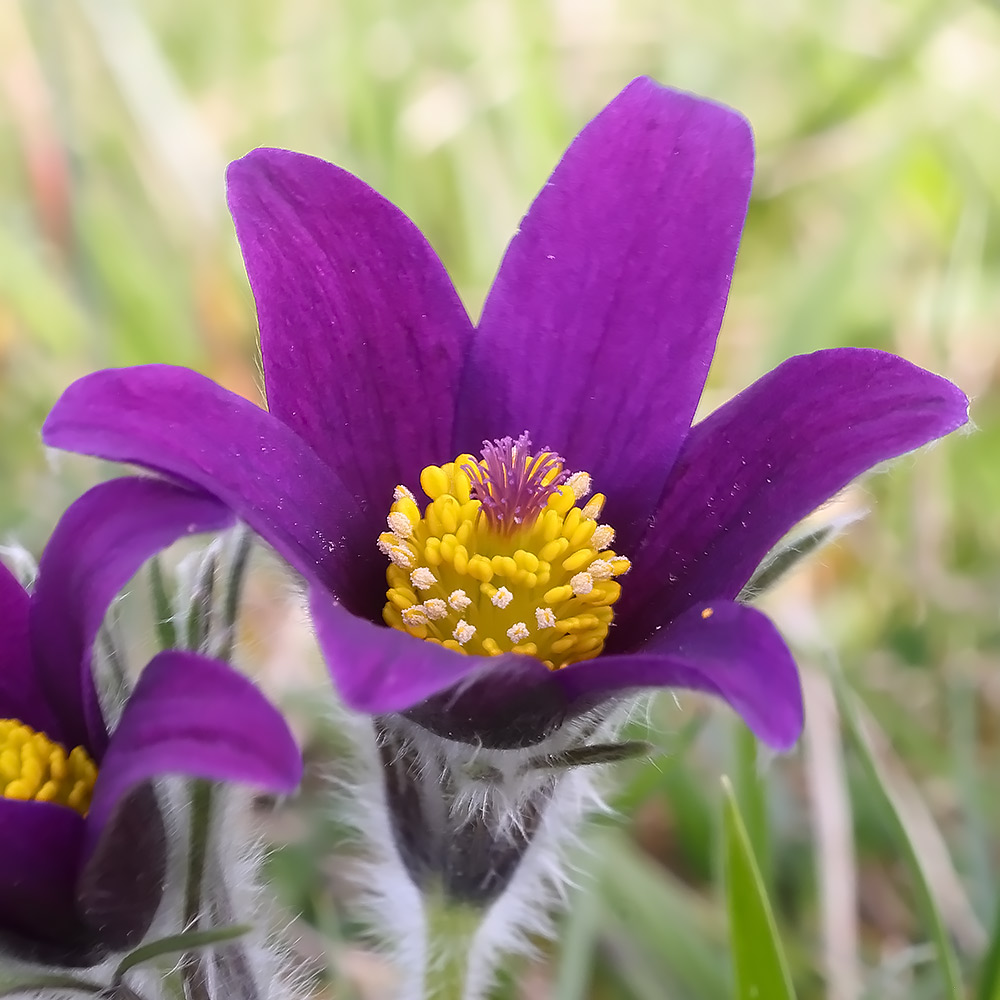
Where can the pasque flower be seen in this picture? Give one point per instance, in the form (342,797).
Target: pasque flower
(83,855)
(516,602)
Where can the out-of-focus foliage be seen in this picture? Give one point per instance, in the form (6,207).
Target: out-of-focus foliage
(874,222)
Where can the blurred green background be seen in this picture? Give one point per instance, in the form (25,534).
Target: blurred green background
(873,222)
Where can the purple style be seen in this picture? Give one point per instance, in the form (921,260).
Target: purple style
(596,339)
(74,887)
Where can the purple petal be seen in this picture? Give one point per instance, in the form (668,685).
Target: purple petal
(770,456)
(96,548)
(736,654)
(182,424)
(601,324)
(378,669)
(38,866)
(194,716)
(21,696)
(361,330)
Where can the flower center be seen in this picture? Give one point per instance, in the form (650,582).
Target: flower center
(34,768)
(503,558)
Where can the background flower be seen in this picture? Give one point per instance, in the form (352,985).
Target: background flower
(73,883)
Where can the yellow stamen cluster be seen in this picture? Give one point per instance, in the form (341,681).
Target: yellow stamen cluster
(543,587)
(34,768)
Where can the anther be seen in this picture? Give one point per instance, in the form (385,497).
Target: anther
(600,569)
(416,614)
(518,632)
(464,632)
(422,578)
(582,584)
(545,617)
(594,506)
(502,598)
(459,600)
(399,524)
(436,609)
(602,537)
(580,484)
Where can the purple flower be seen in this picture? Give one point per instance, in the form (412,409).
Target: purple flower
(83,860)
(595,339)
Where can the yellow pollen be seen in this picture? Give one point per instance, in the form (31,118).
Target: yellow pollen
(34,768)
(708,612)
(498,562)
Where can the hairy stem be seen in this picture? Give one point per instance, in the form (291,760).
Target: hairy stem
(451,927)
(192,964)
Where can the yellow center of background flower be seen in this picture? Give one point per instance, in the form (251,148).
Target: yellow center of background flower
(34,768)
(503,558)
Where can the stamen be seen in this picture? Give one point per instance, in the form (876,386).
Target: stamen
(594,506)
(36,768)
(518,632)
(399,524)
(600,569)
(502,598)
(436,609)
(458,600)
(545,617)
(502,542)
(580,484)
(416,614)
(422,578)
(603,536)
(464,632)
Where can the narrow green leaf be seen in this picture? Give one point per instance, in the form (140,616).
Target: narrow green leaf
(579,941)
(594,753)
(241,544)
(779,562)
(947,960)
(759,964)
(176,944)
(751,795)
(675,932)
(989,973)
(28,984)
(166,634)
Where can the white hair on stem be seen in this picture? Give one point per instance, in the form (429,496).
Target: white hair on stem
(497,789)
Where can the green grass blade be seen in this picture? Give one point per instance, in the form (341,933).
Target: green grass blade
(759,965)
(989,974)
(674,931)
(947,959)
